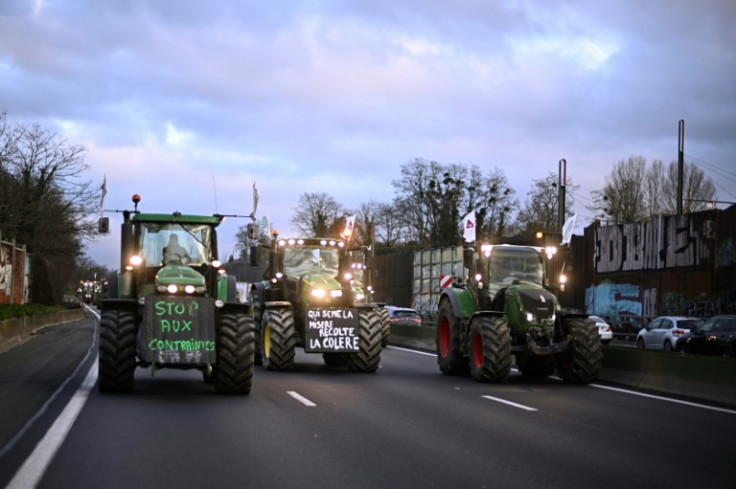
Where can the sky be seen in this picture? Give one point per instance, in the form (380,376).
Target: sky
(189,103)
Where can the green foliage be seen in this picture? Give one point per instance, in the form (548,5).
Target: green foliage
(10,311)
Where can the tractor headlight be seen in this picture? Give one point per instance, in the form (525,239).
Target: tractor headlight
(530,317)
(319,293)
(336,293)
(189,289)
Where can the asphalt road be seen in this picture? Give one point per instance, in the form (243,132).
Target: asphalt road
(405,426)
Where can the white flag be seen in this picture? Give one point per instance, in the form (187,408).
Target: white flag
(349,226)
(468,224)
(567,229)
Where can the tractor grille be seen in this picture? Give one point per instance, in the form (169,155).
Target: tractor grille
(539,302)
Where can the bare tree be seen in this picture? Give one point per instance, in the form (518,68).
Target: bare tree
(389,224)
(655,176)
(542,206)
(318,215)
(697,189)
(633,191)
(45,203)
(623,197)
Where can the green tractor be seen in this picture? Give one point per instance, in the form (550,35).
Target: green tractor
(171,306)
(307,300)
(505,309)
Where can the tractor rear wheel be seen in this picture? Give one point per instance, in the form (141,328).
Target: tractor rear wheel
(581,364)
(385,326)
(257,308)
(116,363)
(490,349)
(448,343)
(278,339)
(235,343)
(369,341)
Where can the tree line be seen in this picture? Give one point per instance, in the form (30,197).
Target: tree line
(46,204)
(431,199)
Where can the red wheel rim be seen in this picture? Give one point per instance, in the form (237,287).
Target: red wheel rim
(444,336)
(478,350)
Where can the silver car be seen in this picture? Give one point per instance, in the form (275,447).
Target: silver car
(604,329)
(663,332)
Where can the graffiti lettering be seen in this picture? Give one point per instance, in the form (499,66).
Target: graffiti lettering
(661,243)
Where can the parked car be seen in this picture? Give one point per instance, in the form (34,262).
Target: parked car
(403,316)
(716,336)
(604,329)
(664,332)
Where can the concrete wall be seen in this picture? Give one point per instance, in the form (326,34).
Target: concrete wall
(692,376)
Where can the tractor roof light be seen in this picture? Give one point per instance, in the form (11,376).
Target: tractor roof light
(486,250)
(551,251)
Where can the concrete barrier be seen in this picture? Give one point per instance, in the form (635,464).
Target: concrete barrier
(694,376)
(14,327)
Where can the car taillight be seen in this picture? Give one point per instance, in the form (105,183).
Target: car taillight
(677,332)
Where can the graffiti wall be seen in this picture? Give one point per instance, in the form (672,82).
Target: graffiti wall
(13,274)
(683,265)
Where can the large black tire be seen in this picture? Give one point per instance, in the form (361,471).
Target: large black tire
(582,363)
(236,344)
(256,306)
(448,341)
(116,363)
(366,360)
(385,326)
(278,339)
(490,349)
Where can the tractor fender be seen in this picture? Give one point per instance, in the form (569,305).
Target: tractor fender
(278,305)
(463,303)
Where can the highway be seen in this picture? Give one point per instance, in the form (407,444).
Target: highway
(407,425)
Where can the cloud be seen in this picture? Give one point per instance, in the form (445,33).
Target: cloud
(175,99)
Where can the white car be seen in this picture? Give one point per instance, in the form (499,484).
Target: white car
(604,329)
(663,332)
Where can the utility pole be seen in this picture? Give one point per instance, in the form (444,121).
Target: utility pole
(680,163)
(563,180)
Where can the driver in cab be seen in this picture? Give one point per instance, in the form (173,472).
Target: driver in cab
(174,252)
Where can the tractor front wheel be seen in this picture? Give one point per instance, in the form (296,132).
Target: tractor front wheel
(236,340)
(490,349)
(581,364)
(367,358)
(448,343)
(278,339)
(116,363)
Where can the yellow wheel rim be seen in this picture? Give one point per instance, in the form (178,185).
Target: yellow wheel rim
(266,340)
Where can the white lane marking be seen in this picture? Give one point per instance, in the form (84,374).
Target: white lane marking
(301,398)
(503,401)
(35,466)
(615,389)
(661,398)
(412,351)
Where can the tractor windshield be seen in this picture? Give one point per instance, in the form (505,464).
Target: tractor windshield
(184,244)
(514,265)
(311,260)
